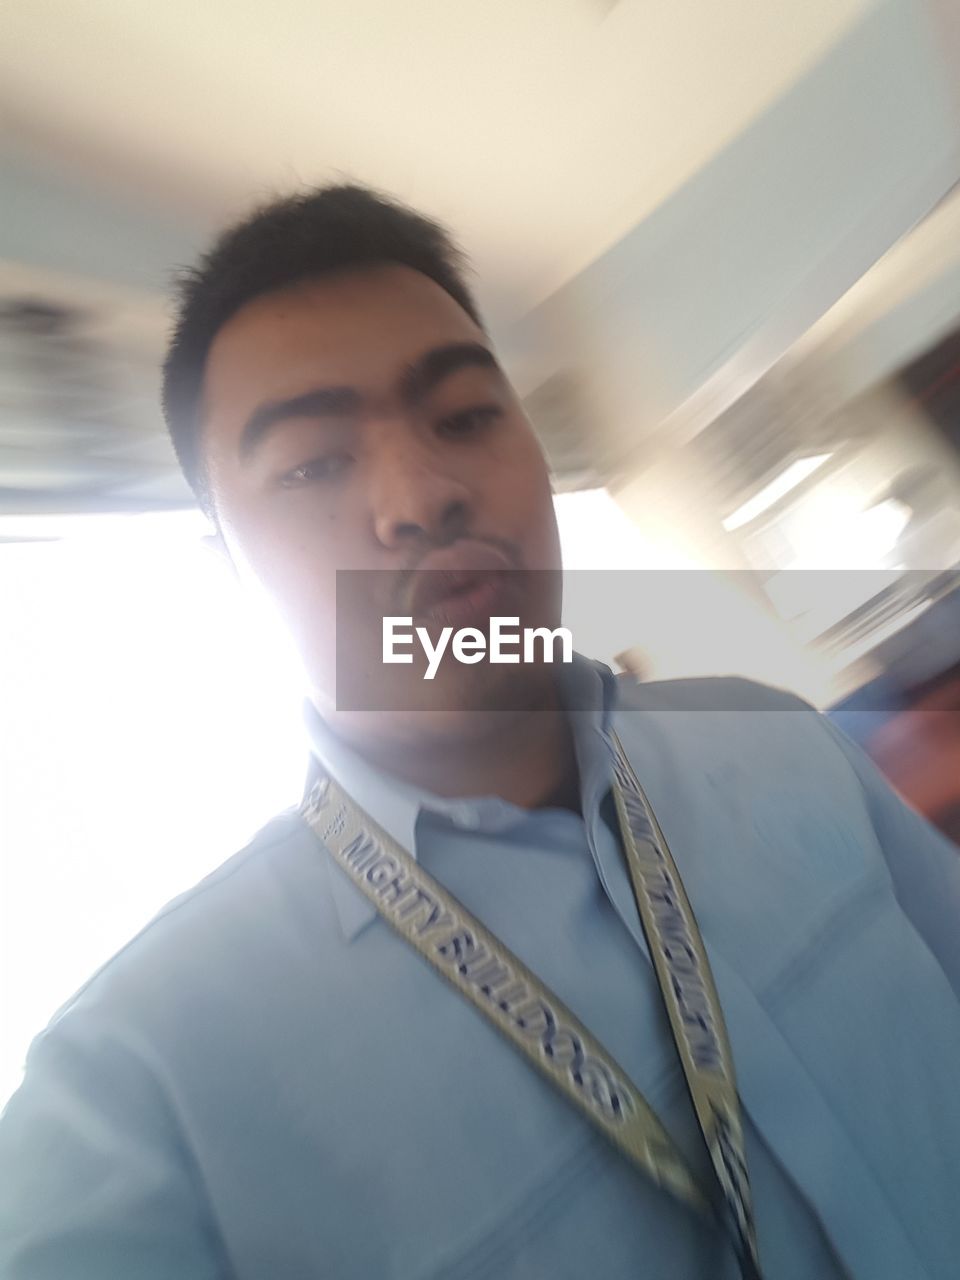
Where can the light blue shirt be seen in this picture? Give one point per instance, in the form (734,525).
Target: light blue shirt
(267,1082)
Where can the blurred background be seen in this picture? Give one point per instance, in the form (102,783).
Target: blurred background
(719,249)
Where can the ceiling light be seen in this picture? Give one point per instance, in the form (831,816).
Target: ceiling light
(778,487)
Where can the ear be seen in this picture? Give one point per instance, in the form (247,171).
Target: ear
(215,545)
(214,542)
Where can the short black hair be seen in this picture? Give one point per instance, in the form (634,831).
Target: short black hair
(281,243)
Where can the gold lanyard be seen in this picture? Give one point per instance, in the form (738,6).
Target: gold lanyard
(536,1022)
(690,997)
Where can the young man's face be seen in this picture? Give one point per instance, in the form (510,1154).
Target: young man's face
(360,422)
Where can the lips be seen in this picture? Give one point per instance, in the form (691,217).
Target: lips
(461,585)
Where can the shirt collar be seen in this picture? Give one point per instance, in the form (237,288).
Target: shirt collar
(588,690)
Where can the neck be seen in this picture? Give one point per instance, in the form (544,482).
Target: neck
(527,759)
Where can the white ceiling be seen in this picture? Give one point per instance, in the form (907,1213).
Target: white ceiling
(541,130)
(749,159)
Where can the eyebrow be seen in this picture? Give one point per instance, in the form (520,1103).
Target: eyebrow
(417,380)
(322,402)
(420,377)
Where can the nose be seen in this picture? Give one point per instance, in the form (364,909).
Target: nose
(412,499)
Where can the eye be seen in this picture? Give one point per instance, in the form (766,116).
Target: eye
(469,421)
(327,468)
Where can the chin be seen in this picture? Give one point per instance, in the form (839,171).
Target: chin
(462,704)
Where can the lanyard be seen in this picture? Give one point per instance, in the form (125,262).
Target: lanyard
(536,1022)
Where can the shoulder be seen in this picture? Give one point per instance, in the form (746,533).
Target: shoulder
(210,936)
(706,694)
(736,735)
(755,781)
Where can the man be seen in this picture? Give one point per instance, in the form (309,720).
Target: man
(269,1081)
